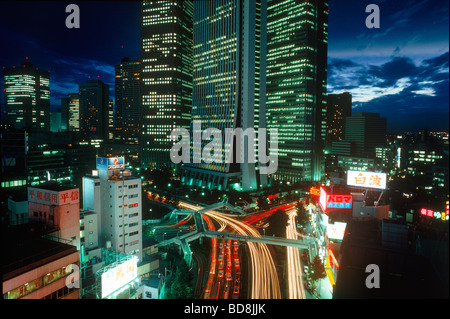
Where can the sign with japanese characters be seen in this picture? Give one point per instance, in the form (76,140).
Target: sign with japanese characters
(436,214)
(51,197)
(119,276)
(107,163)
(366,179)
(336,202)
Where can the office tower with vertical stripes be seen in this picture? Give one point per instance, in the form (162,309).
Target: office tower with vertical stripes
(166,77)
(226,87)
(297,35)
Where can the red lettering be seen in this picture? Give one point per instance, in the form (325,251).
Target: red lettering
(64,197)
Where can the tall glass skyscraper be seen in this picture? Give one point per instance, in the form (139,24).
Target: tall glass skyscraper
(128,101)
(27,97)
(166,76)
(297,35)
(226,86)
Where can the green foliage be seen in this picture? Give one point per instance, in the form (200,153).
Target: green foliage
(317,270)
(181,283)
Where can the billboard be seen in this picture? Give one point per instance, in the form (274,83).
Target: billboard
(107,163)
(336,230)
(334,202)
(366,179)
(118,276)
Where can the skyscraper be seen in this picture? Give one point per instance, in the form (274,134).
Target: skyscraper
(339,106)
(226,87)
(297,35)
(128,101)
(366,131)
(166,76)
(70,112)
(27,97)
(94,99)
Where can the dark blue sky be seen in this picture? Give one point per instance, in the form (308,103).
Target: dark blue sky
(400,70)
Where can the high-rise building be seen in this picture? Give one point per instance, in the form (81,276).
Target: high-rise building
(128,101)
(166,76)
(297,36)
(94,99)
(366,131)
(339,107)
(70,112)
(228,65)
(116,196)
(27,97)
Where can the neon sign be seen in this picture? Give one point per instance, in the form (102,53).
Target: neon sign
(334,201)
(431,213)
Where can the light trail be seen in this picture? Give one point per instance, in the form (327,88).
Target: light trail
(295,280)
(264,277)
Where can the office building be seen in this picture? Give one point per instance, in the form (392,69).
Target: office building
(366,131)
(339,107)
(116,196)
(27,97)
(37,268)
(228,56)
(58,208)
(70,112)
(127,101)
(166,76)
(297,36)
(94,105)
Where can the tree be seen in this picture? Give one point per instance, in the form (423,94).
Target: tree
(277,223)
(181,287)
(302,216)
(317,269)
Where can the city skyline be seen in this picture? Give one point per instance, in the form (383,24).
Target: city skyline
(312,164)
(404,63)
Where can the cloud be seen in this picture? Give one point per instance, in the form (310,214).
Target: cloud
(407,93)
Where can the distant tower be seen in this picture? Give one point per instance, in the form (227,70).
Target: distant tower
(128,101)
(94,119)
(27,97)
(339,106)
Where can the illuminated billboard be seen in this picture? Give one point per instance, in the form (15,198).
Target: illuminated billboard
(334,202)
(336,231)
(107,163)
(366,179)
(118,276)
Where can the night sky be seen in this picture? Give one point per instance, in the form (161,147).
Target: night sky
(400,70)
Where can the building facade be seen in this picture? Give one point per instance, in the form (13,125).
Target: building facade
(27,97)
(127,101)
(117,196)
(339,107)
(94,105)
(227,86)
(166,76)
(297,36)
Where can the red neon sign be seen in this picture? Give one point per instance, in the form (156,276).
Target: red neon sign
(334,201)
